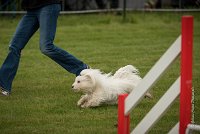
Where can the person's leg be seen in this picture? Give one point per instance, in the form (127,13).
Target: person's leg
(25,29)
(48,20)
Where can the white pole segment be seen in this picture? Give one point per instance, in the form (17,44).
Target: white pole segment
(152,76)
(192,127)
(159,109)
(175,129)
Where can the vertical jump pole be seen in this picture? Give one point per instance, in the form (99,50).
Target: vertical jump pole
(123,120)
(186,73)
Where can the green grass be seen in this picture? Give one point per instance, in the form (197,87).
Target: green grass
(42,100)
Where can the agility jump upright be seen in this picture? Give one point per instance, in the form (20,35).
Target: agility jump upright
(181,87)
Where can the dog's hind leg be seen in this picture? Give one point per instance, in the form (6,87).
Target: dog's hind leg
(148,95)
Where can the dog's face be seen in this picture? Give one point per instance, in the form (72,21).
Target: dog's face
(85,84)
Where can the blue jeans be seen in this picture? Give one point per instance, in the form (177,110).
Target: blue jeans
(44,19)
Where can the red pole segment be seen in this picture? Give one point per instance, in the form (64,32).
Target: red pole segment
(186,73)
(123,120)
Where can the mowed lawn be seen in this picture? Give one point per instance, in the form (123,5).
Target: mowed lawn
(42,101)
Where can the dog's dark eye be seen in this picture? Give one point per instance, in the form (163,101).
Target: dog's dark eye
(78,81)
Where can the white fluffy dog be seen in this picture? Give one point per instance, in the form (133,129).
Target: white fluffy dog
(100,88)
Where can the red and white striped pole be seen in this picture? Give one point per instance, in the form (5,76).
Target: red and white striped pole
(186,73)
(123,120)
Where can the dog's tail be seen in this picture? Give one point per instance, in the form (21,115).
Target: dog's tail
(126,70)
(133,69)
(130,68)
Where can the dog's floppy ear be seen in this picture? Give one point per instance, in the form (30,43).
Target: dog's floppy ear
(90,78)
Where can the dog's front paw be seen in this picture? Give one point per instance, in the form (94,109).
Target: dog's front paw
(90,104)
(79,103)
(82,100)
(85,105)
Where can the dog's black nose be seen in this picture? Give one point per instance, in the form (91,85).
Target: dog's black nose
(72,86)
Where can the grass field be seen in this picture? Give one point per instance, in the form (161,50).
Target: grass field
(42,100)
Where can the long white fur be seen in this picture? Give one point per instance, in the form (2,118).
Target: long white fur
(100,88)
